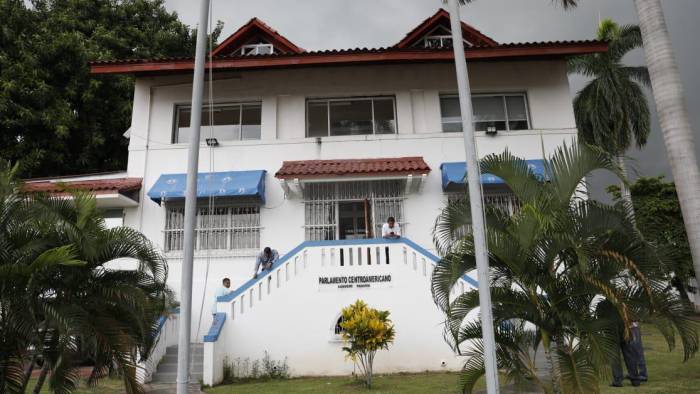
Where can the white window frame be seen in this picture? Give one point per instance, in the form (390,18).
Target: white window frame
(503,97)
(254,49)
(440,37)
(175,137)
(342,99)
(174,233)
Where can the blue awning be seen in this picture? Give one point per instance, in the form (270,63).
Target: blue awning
(211,184)
(453,174)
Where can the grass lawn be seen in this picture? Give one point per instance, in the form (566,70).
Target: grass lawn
(667,371)
(667,374)
(399,383)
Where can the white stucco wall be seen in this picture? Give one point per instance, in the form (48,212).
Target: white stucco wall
(295,318)
(283,94)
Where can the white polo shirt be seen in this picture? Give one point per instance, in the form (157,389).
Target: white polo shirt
(386,230)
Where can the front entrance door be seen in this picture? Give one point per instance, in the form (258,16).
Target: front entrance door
(354,219)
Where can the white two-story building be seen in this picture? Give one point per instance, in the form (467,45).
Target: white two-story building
(309,152)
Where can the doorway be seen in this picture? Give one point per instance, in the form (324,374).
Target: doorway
(354,219)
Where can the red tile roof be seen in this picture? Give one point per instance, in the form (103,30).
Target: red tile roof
(442,18)
(356,56)
(98,186)
(348,167)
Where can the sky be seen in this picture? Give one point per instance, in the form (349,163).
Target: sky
(333,24)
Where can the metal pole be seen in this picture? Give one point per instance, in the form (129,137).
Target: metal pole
(475,199)
(183,349)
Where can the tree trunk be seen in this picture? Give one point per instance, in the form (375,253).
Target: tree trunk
(553,368)
(624,190)
(42,378)
(673,117)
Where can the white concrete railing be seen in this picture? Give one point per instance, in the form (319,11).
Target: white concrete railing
(166,336)
(323,255)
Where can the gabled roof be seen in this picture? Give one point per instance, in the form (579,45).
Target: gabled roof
(442,19)
(225,56)
(255,29)
(393,166)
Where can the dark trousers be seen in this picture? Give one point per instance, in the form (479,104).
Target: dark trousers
(633,355)
(641,361)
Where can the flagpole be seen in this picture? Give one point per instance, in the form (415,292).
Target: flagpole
(183,352)
(476,201)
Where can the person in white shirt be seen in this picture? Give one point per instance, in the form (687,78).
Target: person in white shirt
(265,261)
(221,291)
(391,229)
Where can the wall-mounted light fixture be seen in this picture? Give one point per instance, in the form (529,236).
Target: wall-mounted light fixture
(491,130)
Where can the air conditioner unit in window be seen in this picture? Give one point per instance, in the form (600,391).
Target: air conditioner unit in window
(491,130)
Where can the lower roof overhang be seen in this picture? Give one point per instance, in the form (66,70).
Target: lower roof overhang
(109,192)
(294,174)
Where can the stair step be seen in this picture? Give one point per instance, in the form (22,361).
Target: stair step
(172,358)
(193,350)
(172,367)
(171,377)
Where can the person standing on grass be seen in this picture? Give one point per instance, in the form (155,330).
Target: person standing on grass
(266,259)
(633,357)
(221,291)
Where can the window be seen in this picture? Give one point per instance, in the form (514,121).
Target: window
(355,116)
(438,41)
(218,228)
(492,112)
(229,122)
(257,49)
(326,208)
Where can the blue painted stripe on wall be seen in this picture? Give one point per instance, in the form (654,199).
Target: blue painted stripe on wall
(340,242)
(216,326)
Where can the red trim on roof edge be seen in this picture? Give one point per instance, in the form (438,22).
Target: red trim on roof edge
(356,56)
(99,186)
(255,26)
(442,17)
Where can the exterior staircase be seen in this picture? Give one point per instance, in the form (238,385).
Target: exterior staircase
(167,368)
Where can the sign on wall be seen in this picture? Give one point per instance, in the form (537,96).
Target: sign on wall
(343,282)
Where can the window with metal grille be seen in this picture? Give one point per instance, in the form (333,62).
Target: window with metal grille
(503,200)
(218,228)
(321,200)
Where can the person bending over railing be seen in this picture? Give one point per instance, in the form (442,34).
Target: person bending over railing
(265,260)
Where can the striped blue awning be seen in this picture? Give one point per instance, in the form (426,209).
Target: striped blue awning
(454,174)
(211,184)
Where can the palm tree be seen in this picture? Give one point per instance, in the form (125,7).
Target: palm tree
(673,118)
(24,257)
(612,111)
(64,301)
(568,274)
